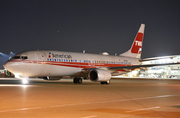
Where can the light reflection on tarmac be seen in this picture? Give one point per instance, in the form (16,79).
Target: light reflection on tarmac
(123,98)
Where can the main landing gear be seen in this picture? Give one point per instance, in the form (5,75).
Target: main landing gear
(77,80)
(107,82)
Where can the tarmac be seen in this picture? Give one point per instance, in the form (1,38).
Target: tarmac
(123,98)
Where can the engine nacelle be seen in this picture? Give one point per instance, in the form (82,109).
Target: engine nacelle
(99,75)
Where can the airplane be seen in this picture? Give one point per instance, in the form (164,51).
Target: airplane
(53,65)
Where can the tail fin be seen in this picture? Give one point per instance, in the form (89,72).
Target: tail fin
(136,48)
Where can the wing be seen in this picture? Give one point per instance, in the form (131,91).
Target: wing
(157,58)
(129,67)
(139,66)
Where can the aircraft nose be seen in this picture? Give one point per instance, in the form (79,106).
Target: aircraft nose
(7,65)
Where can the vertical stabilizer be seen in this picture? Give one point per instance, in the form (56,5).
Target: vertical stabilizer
(136,48)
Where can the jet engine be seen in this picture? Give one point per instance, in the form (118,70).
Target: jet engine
(99,75)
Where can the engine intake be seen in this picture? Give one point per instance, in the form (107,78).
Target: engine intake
(99,75)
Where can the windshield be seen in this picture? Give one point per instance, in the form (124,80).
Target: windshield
(20,57)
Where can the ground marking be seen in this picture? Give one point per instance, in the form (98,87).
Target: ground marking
(89,117)
(143,109)
(101,102)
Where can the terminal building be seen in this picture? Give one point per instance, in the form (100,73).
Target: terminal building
(168,71)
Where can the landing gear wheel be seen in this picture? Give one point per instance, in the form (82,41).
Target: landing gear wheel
(107,82)
(77,80)
(102,82)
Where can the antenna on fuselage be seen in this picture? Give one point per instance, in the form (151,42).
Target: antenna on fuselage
(84,51)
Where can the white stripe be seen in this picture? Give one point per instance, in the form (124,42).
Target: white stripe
(89,117)
(143,109)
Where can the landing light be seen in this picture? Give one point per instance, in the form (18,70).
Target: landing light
(25,81)
(10,85)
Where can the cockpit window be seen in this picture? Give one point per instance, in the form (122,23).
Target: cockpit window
(20,57)
(16,57)
(24,57)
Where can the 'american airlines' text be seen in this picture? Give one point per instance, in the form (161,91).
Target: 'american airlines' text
(61,56)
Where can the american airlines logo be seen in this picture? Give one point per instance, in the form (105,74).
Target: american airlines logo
(138,43)
(59,55)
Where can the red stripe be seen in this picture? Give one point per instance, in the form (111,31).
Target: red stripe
(72,64)
(135,47)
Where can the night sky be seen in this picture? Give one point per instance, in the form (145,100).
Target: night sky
(92,25)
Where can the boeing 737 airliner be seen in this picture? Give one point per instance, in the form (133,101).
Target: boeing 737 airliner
(56,64)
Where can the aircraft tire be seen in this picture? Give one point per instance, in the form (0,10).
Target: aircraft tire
(102,82)
(77,80)
(107,82)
